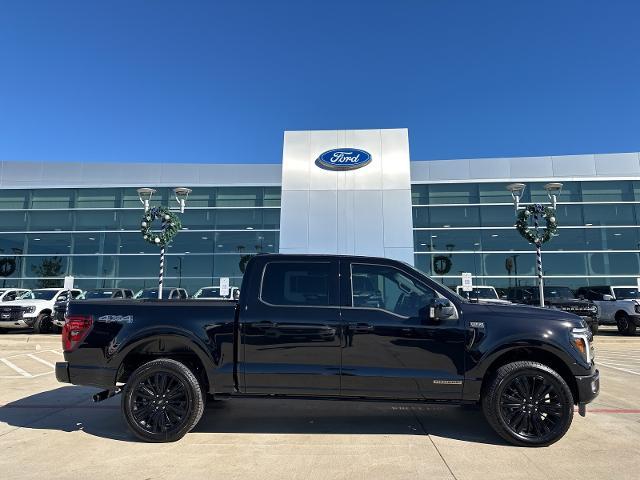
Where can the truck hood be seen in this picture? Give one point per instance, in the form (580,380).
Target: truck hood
(26,303)
(524,313)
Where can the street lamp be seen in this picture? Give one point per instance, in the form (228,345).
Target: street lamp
(145,194)
(536,212)
(553,190)
(517,190)
(181,196)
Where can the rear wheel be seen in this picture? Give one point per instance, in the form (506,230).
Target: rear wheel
(528,404)
(162,401)
(625,325)
(42,324)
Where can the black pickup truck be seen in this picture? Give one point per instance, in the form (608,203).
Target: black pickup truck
(328,326)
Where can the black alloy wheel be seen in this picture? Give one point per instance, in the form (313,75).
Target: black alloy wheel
(528,404)
(531,406)
(162,401)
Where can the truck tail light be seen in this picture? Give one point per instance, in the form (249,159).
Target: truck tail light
(76,328)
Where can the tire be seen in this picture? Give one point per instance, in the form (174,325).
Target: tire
(2,331)
(625,325)
(594,328)
(42,324)
(522,421)
(144,404)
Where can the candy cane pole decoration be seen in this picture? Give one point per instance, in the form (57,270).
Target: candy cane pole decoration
(161,276)
(539,260)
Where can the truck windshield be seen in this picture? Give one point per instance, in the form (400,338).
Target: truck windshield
(43,294)
(626,293)
(152,293)
(558,292)
(208,293)
(484,293)
(98,294)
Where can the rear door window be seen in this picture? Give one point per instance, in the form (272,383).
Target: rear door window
(299,284)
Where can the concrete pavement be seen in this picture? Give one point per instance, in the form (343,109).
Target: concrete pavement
(54,431)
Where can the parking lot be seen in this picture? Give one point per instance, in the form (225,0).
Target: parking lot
(54,431)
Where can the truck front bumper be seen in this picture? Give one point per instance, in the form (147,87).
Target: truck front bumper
(588,389)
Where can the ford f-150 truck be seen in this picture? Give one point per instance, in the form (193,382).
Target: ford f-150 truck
(335,327)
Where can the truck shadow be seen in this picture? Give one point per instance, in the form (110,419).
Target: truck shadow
(69,409)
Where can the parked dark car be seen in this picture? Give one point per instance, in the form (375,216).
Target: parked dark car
(60,307)
(337,327)
(560,298)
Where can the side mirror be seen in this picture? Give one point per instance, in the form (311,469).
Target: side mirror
(607,298)
(440,308)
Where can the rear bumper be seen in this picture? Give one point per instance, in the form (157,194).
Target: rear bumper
(89,376)
(62,372)
(588,387)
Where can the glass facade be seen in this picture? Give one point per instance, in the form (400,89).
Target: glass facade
(469,227)
(93,234)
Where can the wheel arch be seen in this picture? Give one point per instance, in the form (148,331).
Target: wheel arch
(533,354)
(619,313)
(173,346)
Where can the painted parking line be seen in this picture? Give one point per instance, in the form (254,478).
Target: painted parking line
(633,372)
(29,365)
(38,359)
(15,368)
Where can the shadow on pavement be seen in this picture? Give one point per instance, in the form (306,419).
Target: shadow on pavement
(70,409)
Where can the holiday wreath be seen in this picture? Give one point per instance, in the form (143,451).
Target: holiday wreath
(170,226)
(534,235)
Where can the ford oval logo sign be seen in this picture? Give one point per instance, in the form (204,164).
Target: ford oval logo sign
(343,159)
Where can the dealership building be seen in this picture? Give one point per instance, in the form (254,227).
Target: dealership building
(339,191)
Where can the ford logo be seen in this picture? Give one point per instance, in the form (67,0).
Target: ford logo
(343,159)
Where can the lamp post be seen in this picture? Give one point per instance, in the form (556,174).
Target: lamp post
(145,194)
(170,224)
(553,189)
(181,194)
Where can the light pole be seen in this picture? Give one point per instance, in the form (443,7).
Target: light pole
(179,269)
(170,224)
(145,194)
(538,211)
(181,194)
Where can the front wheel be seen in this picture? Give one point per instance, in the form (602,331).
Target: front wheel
(625,325)
(528,404)
(42,324)
(162,401)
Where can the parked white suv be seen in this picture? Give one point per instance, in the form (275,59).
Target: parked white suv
(481,294)
(617,305)
(37,307)
(10,294)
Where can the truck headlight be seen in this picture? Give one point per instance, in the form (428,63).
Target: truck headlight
(29,309)
(580,340)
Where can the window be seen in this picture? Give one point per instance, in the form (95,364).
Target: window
(387,288)
(301,284)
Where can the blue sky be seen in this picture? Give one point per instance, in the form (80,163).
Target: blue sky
(219,81)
